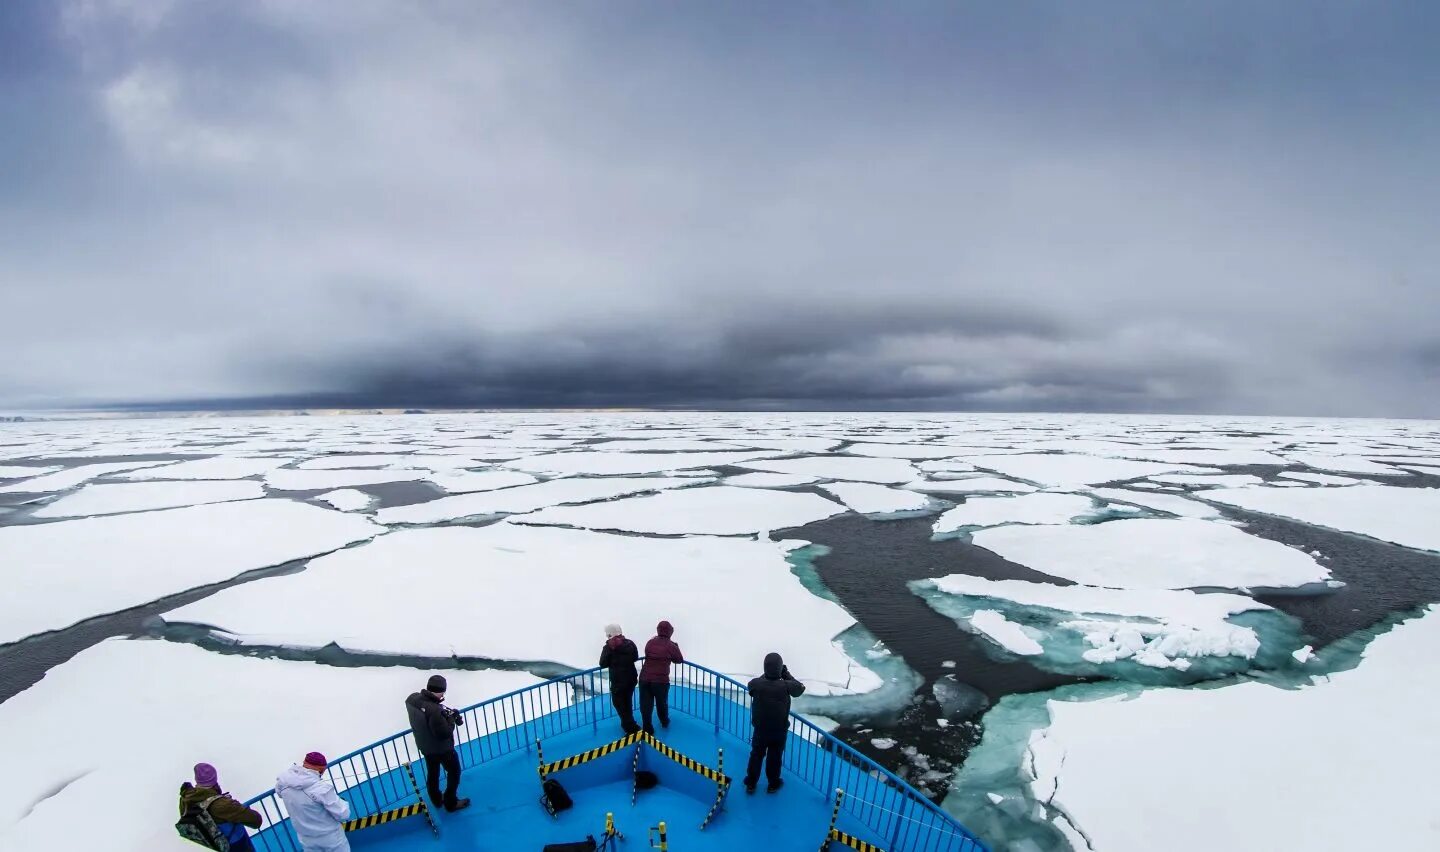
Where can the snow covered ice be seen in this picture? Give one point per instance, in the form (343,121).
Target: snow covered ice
(527,498)
(145,496)
(716,510)
(1025,509)
(1405,516)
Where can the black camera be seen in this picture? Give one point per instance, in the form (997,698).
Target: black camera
(453,715)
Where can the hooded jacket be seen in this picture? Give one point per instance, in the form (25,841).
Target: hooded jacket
(230,816)
(770,696)
(316,812)
(619,656)
(434,733)
(660,652)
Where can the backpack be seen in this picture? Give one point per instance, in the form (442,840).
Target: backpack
(586,845)
(555,798)
(198,826)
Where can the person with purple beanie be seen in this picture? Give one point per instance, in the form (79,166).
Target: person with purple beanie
(229,816)
(317,813)
(660,652)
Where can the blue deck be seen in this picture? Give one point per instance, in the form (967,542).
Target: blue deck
(572,715)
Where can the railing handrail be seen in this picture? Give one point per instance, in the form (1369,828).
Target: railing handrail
(829,741)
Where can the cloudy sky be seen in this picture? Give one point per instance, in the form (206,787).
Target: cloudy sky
(1137,206)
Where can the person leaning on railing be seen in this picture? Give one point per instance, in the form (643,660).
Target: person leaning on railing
(660,652)
(317,813)
(227,817)
(770,697)
(618,655)
(434,727)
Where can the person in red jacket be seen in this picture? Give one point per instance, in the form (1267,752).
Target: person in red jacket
(660,652)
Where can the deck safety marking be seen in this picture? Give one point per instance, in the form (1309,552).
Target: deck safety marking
(688,762)
(383,817)
(852,842)
(635,774)
(720,791)
(587,756)
(415,785)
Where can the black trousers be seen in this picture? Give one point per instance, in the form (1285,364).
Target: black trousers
(654,696)
(451,761)
(767,746)
(623,697)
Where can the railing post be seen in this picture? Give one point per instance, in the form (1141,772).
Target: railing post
(834,762)
(717,703)
(901,814)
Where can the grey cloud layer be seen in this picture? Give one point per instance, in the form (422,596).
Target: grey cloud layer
(501,204)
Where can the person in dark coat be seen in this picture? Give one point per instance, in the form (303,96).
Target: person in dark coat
(619,655)
(770,697)
(230,816)
(660,652)
(434,727)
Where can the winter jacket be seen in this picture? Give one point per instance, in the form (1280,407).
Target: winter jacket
(770,696)
(434,732)
(660,652)
(316,811)
(619,656)
(230,816)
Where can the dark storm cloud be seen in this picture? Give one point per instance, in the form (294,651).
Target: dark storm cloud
(1117,206)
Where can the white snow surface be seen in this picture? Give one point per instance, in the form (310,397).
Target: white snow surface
(971,485)
(1069,471)
(60,573)
(527,498)
(1171,503)
(1005,633)
(1024,509)
(348,499)
(1233,480)
(1342,464)
(769,480)
(108,499)
(67,479)
(702,585)
(915,452)
(1322,478)
(220,467)
(468,481)
(1150,553)
(603,463)
(322,480)
(1344,764)
(846,468)
(716,510)
(1405,516)
(25,472)
(870,499)
(162,707)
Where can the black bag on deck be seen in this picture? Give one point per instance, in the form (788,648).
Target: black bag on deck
(644,780)
(586,845)
(556,797)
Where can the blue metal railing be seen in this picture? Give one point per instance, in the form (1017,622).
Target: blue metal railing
(875,797)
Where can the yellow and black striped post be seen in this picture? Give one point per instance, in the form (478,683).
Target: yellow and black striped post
(853,842)
(835,811)
(721,788)
(664,845)
(540,756)
(420,797)
(635,774)
(610,829)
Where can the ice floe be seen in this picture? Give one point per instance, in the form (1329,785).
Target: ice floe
(25,472)
(67,479)
(221,467)
(1170,503)
(971,485)
(1346,763)
(1026,509)
(915,452)
(347,499)
(851,469)
(509,578)
(527,498)
(324,480)
(1007,634)
(1068,471)
(64,572)
(1149,553)
(1081,628)
(868,499)
(619,463)
(1405,516)
(107,499)
(467,481)
(158,708)
(1233,480)
(770,480)
(1322,478)
(1342,464)
(716,510)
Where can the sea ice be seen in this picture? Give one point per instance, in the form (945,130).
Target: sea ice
(1170,503)
(526,498)
(1146,553)
(1218,481)
(146,496)
(604,463)
(507,579)
(870,499)
(1322,478)
(971,485)
(716,510)
(67,479)
(946,466)
(248,717)
(467,481)
(1068,471)
(348,499)
(847,468)
(1342,464)
(1025,509)
(1343,764)
(323,480)
(1405,516)
(769,480)
(915,452)
(220,467)
(22,471)
(1007,634)
(64,572)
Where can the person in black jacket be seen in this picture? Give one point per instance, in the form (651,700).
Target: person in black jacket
(434,727)
(619,656)
(770,717)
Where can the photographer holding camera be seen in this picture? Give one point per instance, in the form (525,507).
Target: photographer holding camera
(434,727)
